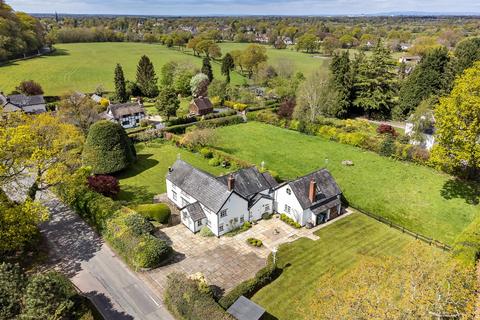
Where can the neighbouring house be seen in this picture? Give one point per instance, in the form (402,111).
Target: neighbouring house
(95,97)
(126,114)
(20,102)
(246,309)
(410,59)
(226,202)
(201,106)
(423,134)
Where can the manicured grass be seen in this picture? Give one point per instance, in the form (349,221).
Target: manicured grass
(302,62)
(146,177)
(304,261)
(84,66)
(417,197)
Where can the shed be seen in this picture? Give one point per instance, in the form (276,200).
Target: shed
(245,309)
(201,106)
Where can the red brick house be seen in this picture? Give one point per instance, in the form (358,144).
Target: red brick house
(201,106)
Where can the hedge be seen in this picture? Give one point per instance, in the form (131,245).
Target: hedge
(466,247)
(289,221)
(249,287)
(186,301)
(212,123)
(159,212)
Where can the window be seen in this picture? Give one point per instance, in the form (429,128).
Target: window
(174,195)
(174,187)
(289,192)
(242,219)
(185,216)
(235,220)
(199,223)
(184,202)
(125,123)
(287,209)
(223,213)
(220,228)
(137,120)
(267,208)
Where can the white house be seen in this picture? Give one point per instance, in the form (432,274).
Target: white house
(225,203)
(127,114)
(425,138)
(20,102)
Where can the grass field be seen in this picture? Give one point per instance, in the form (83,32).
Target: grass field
(304,261)
(146,177)
(84,66)
(414,196)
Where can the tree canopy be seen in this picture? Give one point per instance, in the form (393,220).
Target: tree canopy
(146,78)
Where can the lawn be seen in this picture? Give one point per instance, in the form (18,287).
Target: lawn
(146,177)
(417,197)
(84,66)
(304,261)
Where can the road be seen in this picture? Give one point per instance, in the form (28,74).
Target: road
(76,250)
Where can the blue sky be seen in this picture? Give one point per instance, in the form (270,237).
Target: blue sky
(247,7)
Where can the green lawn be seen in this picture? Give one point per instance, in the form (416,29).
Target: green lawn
(146,177)
(84,66)
(304,261)
(414,196)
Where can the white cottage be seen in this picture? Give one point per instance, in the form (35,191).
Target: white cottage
(126,114)
(225,203)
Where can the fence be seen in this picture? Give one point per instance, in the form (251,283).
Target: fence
(411,233)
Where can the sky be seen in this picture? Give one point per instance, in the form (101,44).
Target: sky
(244,7)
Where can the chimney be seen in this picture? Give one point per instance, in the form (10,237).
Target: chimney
(231,182)
(312,191)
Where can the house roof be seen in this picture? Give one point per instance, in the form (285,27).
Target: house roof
(325,206)
(327,188)
(125,109)
(195,211)
(203,103)
(204,187)
(245,309)
(249,181)
(21,100)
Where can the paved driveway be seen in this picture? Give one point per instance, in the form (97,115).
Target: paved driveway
(225,261)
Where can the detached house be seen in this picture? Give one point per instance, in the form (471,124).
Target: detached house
(225,203)
(126,114)
(20,102)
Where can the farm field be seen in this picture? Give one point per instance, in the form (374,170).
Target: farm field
(304,261)
(84,66)
(146,177)
(417,197)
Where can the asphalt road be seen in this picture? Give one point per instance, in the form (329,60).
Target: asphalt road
(77,251)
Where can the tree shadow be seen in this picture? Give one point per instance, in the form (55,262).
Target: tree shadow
(142,164)
(105,307)
(56,52)
(218,292)
(268,316)
(70,240)
(460,189)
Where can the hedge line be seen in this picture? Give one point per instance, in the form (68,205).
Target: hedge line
(186,299)
(213,123)
(186,119)
(467,245)
(249,287)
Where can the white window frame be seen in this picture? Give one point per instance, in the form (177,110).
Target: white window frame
(220,228)
(288,209)
(174,195)
(223,213)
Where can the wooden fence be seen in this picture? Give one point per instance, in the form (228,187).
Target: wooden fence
(418,236)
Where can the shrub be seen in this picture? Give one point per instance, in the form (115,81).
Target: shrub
(103,184)
(249,287)
(144,123)
(267,216)
(206,153)
(254,242)
(12,284)
(29,88)
(104,102)
(289,221)
(386,129)
(244,227)
(466,247)
(185,300)
(206,232)
(387,148)
(216,101)
(159,212)
(138,224)
(151,252)
(107,148)
(214,162)
(235,105)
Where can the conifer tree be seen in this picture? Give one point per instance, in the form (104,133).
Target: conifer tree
(207,68)
(120,87)
(146,78)
(227,65)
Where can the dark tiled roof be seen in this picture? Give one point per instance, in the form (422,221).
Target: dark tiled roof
(324,207)
(195,211)
(125,109)
(245,309)
(327,188)
(204,187)
(203,103)
(21,100)
(249,181)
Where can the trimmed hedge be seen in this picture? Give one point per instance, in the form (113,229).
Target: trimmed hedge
(186,301)
(255,242)
(212,123)
(467,245)
(249,287)
(159,212)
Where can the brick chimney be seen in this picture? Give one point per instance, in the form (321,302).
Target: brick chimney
(312,191)
(231,182)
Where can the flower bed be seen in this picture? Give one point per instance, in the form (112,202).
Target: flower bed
(289,221)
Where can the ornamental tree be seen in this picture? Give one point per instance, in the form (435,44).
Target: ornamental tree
(29,88)
(120,86)
(199,85)
(207,68)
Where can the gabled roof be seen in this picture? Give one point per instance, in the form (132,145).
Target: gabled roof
(203,103)
(327,188)
(125,109)
(249,181)
(195,211)
(204,187)
(21,100)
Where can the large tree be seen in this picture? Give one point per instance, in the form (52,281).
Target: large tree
(108,149)
(342,79)
(467,53)
(120,86)
(146,78)
(227,66)
(432,76)
(79,110)
(207,68)
(252,57)
(308,42)
(457,122)
(199,85)
(167,102)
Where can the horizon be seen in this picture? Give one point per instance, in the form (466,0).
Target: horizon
(310,8)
